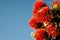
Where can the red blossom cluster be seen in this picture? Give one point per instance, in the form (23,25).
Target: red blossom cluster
(41,22)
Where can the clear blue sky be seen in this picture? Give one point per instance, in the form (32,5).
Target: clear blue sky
(14,16)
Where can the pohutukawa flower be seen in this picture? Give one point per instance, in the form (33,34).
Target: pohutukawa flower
(41,34)
(50,28)
(38,4)
(40,9)
(35,24)
(43,16)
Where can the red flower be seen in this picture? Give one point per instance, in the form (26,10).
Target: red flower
(41,34)
(51,30)
(35,24)
(38,4)
(40,10)
(32,22)
(42,15)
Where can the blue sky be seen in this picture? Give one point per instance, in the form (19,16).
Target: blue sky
(14,16)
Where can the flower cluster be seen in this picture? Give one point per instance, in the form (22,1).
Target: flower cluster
(43,21)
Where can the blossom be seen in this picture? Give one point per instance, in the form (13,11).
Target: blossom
(35,24)
(40,11)
(41,34)
(38,4)
(50,28)
(32,23)
(42,15)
